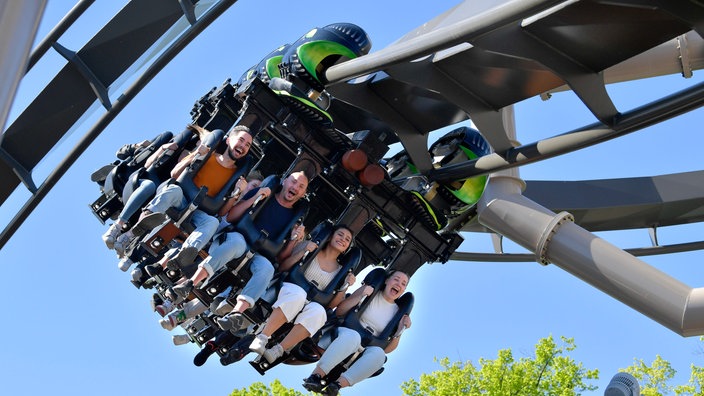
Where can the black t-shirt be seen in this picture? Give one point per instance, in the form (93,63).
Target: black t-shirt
(272,217)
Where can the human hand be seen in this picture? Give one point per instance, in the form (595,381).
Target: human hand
(298,232)
(367,291)
(404,322)
(240,185)
(350,279)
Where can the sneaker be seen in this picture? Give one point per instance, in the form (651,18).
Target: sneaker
(332,390)
(201,357)
(122,242)
(183,290)
(154,269)
(164,309)
(173,319)
(124,264)
(314,383)
(258,346)
(156,300)
(110,235)
(215,303)
(136,275)
(273,353)
(181,339)
(232,322)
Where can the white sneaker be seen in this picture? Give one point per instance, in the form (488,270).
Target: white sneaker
(181,339)
(258,345)
(124,264)
(165,308)
(121,243)
(136,274)
(111,235)
(273,353)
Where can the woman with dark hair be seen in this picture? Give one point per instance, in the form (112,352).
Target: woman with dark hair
(292,299)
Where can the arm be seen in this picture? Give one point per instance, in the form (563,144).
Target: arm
(162,150)
(186,161)
(404,323)
(236,212)
(296,255)
(298,233)
(350,302)
(182,164)
(340,294)
(240,187)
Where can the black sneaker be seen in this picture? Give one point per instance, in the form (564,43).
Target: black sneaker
(314,383)
(156,300)
(201,357)
(233,355)
(332,390)
(180,292)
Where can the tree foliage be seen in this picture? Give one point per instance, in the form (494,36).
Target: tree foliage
(549,372)
(260,389)
(654,378)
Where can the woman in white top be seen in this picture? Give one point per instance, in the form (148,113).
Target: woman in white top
(292,303)
(378,314)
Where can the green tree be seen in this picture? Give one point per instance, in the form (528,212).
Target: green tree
(260,389)
(654,378)
(549,372)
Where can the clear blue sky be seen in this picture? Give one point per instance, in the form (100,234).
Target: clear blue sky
(74,324)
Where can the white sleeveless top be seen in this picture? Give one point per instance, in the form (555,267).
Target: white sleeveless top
(318,276)
(378,314)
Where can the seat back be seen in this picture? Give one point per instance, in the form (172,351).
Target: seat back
(159,171)
(117,178)
(260,241)
(211,205)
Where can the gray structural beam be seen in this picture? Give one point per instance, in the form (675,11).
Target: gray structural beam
(157,65)
(19,21)
(555,239)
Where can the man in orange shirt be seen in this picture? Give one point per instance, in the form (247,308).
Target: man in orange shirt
(213,174)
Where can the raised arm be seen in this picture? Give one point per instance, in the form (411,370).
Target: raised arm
(298,233)
(350,302)
(340,294)
(404,323)
(296,255)
(236,212)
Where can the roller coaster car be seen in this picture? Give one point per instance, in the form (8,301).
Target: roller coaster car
(159,238)
(115,177)
(311,349)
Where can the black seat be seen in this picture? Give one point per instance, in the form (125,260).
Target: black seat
(113,178)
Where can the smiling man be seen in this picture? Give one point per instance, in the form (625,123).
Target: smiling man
(275,214)
(214,174)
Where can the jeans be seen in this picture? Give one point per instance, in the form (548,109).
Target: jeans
(262,274)
(220,253)
(139,196)
(346,343)
(171,196)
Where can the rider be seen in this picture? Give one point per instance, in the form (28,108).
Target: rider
(214,174)
(375,318)
(291,302)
